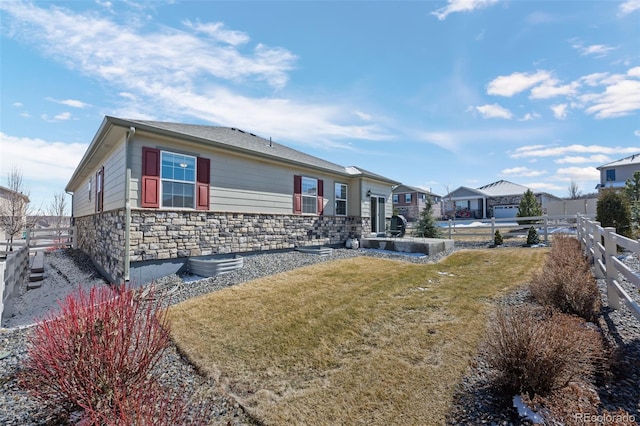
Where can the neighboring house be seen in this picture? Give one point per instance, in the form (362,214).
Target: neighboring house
(409,202)
(12,207)
(616,173)
(498,199)
(147,195)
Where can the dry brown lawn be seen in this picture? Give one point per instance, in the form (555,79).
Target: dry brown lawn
(354,341)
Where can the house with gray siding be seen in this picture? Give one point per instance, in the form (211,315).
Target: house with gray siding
(498,199)
(615,174)
(148,195)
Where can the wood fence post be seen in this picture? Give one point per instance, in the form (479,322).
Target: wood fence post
(450,229)
(610,250)
(546,229)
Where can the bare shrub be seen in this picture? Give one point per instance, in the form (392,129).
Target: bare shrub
(535,350)
(98,355)
(566,282)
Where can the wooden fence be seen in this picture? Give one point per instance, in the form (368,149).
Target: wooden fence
(601,247)
(13,272)
(543,224)
(38,238)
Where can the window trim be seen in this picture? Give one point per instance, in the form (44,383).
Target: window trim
(192,183)
(612,172)
(345,199)
(313,197)
(408,197)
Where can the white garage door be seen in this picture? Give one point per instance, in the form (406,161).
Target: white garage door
(505,211)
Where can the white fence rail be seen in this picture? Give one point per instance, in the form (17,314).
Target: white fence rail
(543,224)
(601,247)
(50,237)
(13,272)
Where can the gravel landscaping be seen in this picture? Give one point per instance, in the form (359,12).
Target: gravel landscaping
(475,402)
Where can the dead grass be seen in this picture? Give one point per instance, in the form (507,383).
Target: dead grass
(355,341)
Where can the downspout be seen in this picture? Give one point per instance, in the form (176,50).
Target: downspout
(74,244)
(127,205)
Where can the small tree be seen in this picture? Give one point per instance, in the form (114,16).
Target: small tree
(497,238)
(529,206)
(58,210)
(14,207)
(426,226)
(532,237)
(632,191)
(574,191)
(612,209)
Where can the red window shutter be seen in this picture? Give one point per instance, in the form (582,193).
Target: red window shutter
(297,194)
(320,196)
(202,183)
(150,196)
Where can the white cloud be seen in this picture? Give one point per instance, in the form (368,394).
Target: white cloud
(18,104)
(215,30)
(62,116)
(538,151)
(637,133)
(128,95)
(43,174)
(597,50)
(544,186)
(454,140)
(577,159)
(560,111)
(183,74)
(509,85)
(58,158)
(594,79)
(494,111)
(549,89)
(619,99)
(363,115)
(529,116)
(461,6)
(523,172)
(634,72)
(70,102)
(579,173)
(629,6)
(99,46)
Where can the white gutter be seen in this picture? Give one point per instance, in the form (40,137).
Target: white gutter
(127,204)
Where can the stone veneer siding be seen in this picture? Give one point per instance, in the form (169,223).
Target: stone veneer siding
(160,235)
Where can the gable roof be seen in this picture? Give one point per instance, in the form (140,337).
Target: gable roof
(632,159)
(10,192)
(502,188)
(228,138)
(499,188)
(406,188)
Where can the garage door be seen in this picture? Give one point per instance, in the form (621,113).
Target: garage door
(500,212)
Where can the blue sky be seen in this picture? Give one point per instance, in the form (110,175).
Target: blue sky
(435,94)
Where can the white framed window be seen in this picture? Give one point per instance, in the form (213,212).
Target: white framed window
(395,198)
(178,179)
(407,198)
(309,195)
(341,199)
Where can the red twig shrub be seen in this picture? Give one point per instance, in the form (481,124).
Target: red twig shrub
(98,354)
(566,282)
(535,351)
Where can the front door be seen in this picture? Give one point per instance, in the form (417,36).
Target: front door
(377,214)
